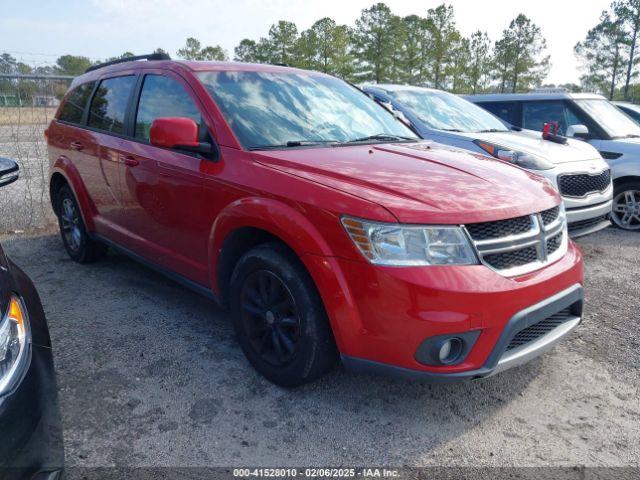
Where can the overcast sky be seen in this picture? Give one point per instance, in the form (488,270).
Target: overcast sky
(37,31)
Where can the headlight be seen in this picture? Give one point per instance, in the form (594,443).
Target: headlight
(521,159)
(408,245)
(14,340)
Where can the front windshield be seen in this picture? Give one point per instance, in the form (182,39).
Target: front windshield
(267,109)
(609,118)
(445,111)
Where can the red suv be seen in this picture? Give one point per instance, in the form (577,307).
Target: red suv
(329,230)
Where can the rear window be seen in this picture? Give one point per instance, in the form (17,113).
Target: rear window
(75,104)
(109,104)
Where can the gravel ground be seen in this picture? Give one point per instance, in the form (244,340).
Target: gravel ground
(150,375)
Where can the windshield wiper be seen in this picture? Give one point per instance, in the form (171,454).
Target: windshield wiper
(292,144)
(450,129)
(492,130)
(383,137)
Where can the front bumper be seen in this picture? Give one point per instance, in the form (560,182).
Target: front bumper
(584,220)
(381,316)
(31,444)
(500,358)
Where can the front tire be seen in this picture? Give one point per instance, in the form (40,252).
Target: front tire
(79,246)
(625,212)
(279,318)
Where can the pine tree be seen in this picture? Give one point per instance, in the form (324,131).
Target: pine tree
(603,52)
(628,14)
(443,33)
(519,56)
(373,43)
(282,38)
(480,65)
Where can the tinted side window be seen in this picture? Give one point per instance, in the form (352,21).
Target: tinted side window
(73,107)
(508,111)
(632,113)
(536,114)
(162,97)
(109,104)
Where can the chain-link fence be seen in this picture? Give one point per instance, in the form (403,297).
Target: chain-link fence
(27,105)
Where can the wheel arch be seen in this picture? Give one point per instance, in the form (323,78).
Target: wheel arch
(253,221)
(627,179)
(63,172)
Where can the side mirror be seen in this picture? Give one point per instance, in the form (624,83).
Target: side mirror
(396,113)
(578,131)
(174,132)
(180,133)
(8,171)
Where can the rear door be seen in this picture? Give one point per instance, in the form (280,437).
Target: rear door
(70,139)
(162,189)
(536,113)
(107,120)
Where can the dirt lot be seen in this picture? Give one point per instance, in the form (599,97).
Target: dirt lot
(150,375)
(26,115)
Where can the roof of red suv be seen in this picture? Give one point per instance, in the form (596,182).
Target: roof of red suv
(194,66)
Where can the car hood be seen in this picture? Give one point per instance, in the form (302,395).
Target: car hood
(532,142)
(421,182)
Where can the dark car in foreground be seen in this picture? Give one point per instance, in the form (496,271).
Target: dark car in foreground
(30,426)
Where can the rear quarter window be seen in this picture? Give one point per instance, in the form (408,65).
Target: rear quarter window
(509,111)
(74,105)
(109,105)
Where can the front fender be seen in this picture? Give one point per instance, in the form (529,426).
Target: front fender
(626,166)
(275,217)
(300,230)
(63,166)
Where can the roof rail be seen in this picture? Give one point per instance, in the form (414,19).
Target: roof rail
(151,56)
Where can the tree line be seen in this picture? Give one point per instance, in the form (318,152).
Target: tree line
(424,50)
(609,52)
(427,50)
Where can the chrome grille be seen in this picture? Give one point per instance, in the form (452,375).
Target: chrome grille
(539,329)
(582,184)
(500,228)
(517,258)
(549,216)
(554,243)
(522,244)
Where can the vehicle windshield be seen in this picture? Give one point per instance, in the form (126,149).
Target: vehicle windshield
(615,123)
(273,110)
(445,111)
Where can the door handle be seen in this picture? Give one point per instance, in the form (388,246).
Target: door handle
(130,161)
(76,146)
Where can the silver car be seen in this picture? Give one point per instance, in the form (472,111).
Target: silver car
(593,119)
(575,168)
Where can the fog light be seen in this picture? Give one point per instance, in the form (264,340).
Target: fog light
(450,350)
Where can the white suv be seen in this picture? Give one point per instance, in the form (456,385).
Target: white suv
(575,168)
(593,119)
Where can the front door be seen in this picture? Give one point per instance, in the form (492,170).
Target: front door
(162,189)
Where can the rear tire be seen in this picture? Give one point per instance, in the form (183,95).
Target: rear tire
(79,246)
(279,318)
(625,213)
